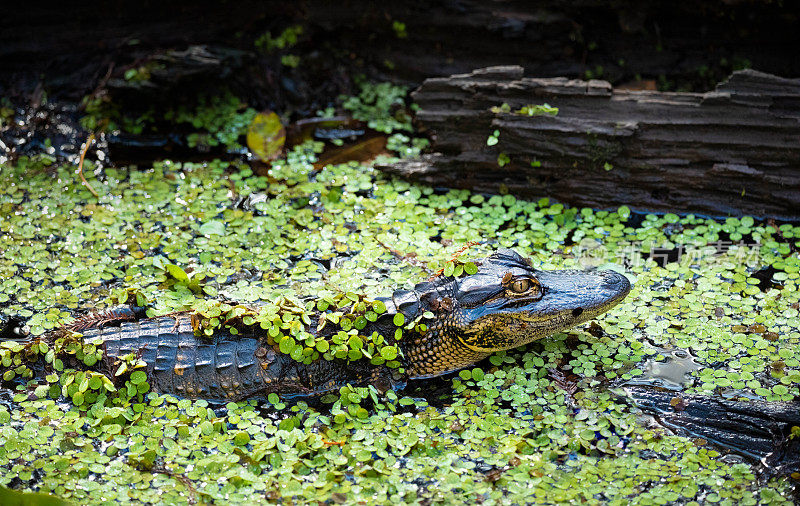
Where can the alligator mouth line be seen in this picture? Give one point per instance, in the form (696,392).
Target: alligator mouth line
(603,307)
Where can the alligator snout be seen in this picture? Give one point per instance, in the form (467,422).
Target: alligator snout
(616,282)
(585,295)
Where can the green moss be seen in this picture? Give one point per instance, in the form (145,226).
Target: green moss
(219,120)
(381,105)
(286,39)
(527,110)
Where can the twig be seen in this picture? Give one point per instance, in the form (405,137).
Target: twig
(454,258)
(463,249)
(181,478)
(80,165)
(567,384)
(410,258)
(98,90)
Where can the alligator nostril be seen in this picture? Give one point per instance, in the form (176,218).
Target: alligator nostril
(577,312)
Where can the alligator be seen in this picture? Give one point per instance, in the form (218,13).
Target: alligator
(505,304)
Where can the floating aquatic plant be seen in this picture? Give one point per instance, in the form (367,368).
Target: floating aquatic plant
(239,247)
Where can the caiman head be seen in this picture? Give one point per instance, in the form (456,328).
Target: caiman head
(506,304)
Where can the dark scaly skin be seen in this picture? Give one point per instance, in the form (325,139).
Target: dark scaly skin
(226,367)
(505,304)
(758,430)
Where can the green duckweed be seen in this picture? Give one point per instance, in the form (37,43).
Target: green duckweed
(220,239)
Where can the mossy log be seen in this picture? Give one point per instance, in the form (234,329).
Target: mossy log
(729,151)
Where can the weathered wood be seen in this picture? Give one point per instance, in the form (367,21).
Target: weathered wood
(733,150)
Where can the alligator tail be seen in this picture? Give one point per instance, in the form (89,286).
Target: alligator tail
(227,367)
(221,368)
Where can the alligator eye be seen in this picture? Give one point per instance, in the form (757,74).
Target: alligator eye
(521,285)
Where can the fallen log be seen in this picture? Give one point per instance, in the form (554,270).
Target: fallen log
(760,431)
(734,150)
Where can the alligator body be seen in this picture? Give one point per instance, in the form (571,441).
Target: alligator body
(505,304)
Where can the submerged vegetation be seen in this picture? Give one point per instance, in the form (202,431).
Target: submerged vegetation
(545,422)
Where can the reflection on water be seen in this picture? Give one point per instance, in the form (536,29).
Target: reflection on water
(674,372)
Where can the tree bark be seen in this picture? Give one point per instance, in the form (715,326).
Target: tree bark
(729,151)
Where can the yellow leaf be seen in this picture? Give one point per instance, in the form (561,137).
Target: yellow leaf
(266,136)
